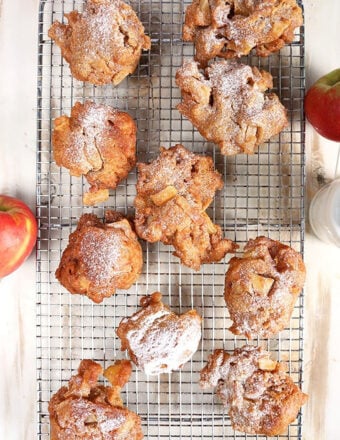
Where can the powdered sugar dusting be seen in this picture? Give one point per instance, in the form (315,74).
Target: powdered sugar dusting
(236,84)
(166,348)
(86,126)
(99,26)
(94,119)
(109,424)
(230,81)
(108,29)
(160,340)
(100,251)
(73,154)
(237,366)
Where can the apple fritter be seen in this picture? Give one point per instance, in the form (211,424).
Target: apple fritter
(103,44)
(232,28)
(96,141)
(260,397)
(100,257)
(229,105)
(88,411)
(173,192)
(158,340)
(262,287)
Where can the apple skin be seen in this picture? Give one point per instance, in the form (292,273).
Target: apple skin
(322,105)
(18,233)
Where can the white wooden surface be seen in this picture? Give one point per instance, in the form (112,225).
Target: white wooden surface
(18,55)
(322,305)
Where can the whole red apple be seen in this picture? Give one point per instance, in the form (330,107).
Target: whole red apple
(322,105)
(18,233)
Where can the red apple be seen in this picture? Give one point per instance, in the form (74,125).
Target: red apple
(18,233)
(322,105)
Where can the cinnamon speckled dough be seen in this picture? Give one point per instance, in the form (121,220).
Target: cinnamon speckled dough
(103,44)
(88,411)
(173,193)
(258,394)
(229,105)
(261,288)
(158,340)
(233,28)
(100,257)
(96,141)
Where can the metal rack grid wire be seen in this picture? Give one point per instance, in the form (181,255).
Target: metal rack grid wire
(263,194)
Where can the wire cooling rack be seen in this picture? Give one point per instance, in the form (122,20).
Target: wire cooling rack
(263,194)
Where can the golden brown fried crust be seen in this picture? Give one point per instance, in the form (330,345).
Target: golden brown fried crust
(88,411)
(259,395)
(173,193)
(103,44)
(229,105)
(98,142)
(262,287)
(100,257)
(233,28)
(158,340)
